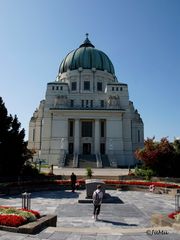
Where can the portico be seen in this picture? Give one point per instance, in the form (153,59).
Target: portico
(84,135)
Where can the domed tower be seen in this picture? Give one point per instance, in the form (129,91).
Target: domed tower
(86,117)
(86,57)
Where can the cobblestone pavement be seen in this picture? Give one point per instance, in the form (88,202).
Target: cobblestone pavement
(128,220)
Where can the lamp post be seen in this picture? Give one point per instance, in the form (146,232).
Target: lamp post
(39,160)
(177,202)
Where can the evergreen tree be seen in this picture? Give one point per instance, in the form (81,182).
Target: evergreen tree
(13,148)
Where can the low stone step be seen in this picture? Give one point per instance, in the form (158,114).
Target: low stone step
(106,230)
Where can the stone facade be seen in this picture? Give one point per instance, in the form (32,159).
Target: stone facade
(86,111)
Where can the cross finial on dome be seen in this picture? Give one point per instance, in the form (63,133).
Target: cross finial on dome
(86,42)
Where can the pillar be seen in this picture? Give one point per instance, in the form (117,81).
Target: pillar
(76,136)
(97,137)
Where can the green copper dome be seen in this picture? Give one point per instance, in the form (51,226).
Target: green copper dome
(86,57)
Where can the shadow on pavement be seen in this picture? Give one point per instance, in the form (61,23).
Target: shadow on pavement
(117,223)
(47,194)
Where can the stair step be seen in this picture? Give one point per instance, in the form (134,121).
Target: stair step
(87,161)
(105,161)
(69,160)
(104,230)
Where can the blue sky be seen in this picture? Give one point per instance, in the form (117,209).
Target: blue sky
(141,37)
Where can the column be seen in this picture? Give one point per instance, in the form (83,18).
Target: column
(76,136)
(96,137)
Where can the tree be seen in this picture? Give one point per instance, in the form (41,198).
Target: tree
(165,160)
(176,160)
(149,153)
(13,148)
(162,157)
(176,145)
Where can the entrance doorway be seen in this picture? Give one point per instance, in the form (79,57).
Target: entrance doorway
(86,148)
(71,148)
(102,148)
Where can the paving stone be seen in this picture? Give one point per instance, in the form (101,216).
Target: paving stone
(73,236)
(44,235)
(32,237)
(59,235)
(140,237)
(108,237)
(170,236)
(135,212)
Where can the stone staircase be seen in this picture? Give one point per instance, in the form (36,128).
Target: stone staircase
(69,160)
(87,161)
(105,161)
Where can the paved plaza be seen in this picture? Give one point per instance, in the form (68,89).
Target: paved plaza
(127,220)
(82,171)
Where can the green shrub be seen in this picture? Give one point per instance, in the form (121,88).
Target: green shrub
(28,215)
(89,172)
(23,213)
(29,170)
(147,173)
(11,211)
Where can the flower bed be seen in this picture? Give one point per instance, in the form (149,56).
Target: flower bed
(173,215)
(121,182)
(171,220)
(141,183)
(24,221)
(14,217)
(12,220)
(16,187)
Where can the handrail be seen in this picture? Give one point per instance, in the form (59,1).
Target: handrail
(62,160)
(112,161)
(75,160)
(98,160)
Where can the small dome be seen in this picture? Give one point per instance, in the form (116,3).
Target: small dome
(86,57)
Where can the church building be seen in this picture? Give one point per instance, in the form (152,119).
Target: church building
(86,118)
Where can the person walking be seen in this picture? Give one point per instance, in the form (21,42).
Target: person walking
(73,181)
(97,200)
